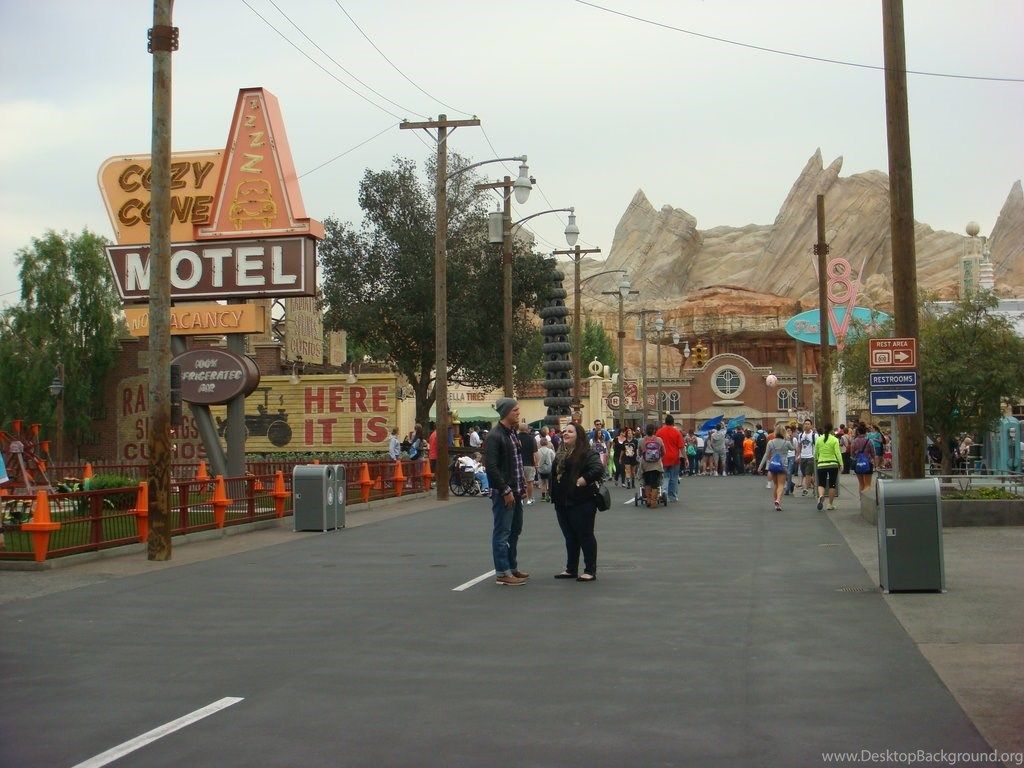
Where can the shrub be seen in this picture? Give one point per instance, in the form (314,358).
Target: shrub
(979,494)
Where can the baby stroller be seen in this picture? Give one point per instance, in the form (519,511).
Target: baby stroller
(650,495)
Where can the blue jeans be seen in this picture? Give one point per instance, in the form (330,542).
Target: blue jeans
(508,524)
(672,478)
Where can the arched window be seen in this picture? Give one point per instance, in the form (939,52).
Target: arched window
(794,401)
(663,401)
(673,401)
(783,399)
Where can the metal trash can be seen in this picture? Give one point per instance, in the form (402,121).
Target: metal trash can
(340,494)
(315,497)
(910,535)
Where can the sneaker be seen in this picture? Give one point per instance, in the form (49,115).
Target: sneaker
(803,492)
(821,502)
(778,506)
(529,501)
(768,484)
(510,581)
(520,574)
(831,506)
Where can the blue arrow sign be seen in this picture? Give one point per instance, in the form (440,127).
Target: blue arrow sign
(890,402)
(894,379)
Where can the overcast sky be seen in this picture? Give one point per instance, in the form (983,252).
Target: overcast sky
(603,105)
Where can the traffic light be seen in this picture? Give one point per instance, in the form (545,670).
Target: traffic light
(700,354)
(176,414)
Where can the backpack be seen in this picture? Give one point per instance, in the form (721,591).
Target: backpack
(775,465)
(691,450)
(652,451)
(862,466)
(414,449)
(761,440)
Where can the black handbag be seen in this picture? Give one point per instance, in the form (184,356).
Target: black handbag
(602,498)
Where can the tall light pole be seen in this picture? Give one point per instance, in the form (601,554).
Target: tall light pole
(521,187)
(577,254)
(57,390)
(641,336)
(442,124)
(623,293)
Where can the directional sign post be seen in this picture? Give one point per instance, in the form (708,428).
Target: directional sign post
(893,402)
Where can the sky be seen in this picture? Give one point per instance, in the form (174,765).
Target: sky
(603,105)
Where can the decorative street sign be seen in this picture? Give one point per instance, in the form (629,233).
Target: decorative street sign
(613,401)
(210,376)
(806,326)
(202,319)
(888,402)
(894,379)
(892,353)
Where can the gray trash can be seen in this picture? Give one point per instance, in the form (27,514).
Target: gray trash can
(340,494)
(910,535)
(315,497)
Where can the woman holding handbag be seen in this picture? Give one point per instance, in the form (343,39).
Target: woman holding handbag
(576,468)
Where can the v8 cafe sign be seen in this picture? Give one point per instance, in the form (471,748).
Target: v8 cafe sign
(892,353)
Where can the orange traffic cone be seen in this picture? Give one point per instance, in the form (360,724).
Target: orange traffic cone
(221,502)
(201,473)
(399,478)
(142,511)
(41,527)
(365,482)
(427,475)
(87,472)
(279,493)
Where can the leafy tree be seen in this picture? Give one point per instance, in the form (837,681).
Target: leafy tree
(378,281)
(969,362)
(69,314)
(596,343)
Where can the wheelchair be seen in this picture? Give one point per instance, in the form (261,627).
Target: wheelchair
(462,481)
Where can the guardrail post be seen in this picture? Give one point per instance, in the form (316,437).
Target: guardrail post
(142,511)
(41,527)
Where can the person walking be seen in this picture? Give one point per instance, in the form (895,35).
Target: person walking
(528,449)
(828,458)
(805,441)
(863,453)
(545,462)
(629,451)
(651,452)
(717,440)
(618,456)
(672,440)
(576,467)
(504,464)
(394,445)
(774,463)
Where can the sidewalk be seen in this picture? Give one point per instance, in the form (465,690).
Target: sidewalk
(973,634)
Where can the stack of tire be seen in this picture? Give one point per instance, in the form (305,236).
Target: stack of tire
(556,350)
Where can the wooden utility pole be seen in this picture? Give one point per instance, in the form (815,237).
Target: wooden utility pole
(821,249)
(163,40)
(576,254)
(901,218)
(442,124)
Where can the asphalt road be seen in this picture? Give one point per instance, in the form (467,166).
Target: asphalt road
(719,633)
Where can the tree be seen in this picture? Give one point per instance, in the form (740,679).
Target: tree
(595,343)
(68,313)
(969,362)
(378,281)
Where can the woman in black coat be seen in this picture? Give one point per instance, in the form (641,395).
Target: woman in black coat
(575,470)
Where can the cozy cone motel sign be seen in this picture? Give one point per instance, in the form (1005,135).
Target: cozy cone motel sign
(239,227)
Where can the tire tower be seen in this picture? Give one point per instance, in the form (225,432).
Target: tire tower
(556,349)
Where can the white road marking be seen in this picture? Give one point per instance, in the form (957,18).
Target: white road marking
(157,733)
(477,580)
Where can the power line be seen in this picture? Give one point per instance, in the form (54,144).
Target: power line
(395,66)
(780,52)
(339,66)
(321,66)
(347,151)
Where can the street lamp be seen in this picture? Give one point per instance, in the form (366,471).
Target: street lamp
(57,391)
(623,293)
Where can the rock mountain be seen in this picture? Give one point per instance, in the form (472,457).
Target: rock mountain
(670,260)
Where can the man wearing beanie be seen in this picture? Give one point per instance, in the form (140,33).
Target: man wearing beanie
(504,463)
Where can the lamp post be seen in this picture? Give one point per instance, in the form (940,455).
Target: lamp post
(660,331)
(57,390)
(641,336)
(623,293)
(521,187)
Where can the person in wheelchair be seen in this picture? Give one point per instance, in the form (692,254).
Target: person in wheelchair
(470,476)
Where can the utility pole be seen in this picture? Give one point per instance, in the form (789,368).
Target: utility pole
(821,250)
(901,218)
(442,124)
(163,40)
(576,254)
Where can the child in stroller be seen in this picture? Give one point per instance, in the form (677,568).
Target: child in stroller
(652,449)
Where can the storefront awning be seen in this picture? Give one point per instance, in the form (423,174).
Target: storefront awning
(470,412)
